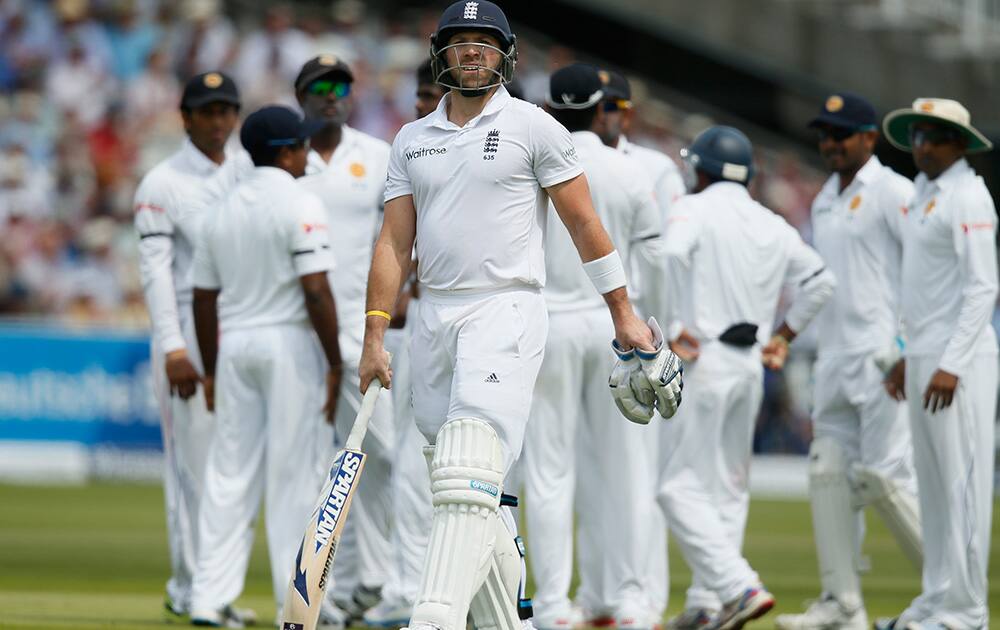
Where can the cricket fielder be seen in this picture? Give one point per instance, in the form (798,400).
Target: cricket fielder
(949,372)
(861,452)
(729,257)
(261,299)
(468,185)
(169,205)
(346,170)
(573,423)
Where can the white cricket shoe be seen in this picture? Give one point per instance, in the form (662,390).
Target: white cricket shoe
(630,616)
(331,617)
(227,617)
(754,603)
(691,619)
(825,613)
(388,614)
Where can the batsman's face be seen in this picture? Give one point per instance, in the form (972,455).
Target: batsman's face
(474,58)
(209,126)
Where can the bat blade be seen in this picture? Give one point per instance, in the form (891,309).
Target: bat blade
(307,586)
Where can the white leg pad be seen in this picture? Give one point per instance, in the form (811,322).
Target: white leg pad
(495,606)
(466,478)
(834,522)
(898,508)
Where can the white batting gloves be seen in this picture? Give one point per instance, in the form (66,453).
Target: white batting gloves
(643,381)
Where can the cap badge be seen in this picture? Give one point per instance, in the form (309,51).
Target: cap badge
(930,207)
(471,10)
(834,104)
(212,80)
(927,106)
(357,169)
(605,77)
(855,203)
(327,60)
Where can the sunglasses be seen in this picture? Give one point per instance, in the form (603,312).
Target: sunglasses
(340,89)
(933,135)
(618,104)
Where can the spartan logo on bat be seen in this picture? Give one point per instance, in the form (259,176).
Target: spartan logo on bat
(492,144)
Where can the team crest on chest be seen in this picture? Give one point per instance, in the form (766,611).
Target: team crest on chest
(492,144)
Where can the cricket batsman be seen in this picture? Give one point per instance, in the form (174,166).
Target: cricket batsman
(468,184)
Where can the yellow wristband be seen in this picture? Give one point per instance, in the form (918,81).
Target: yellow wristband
(387,316)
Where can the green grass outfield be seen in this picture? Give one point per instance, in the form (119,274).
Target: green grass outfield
(95,557)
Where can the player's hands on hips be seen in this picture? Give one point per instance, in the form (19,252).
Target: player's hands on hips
(775,353)
(181,375)
(208,384)
(374,364)
(940,391)
(686,346)
(895,381)
(333,378)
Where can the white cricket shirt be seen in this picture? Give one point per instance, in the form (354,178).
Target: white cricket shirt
(858,234)
(668,183)
(727,260)
(267,234)
(351,187)
(478,192)
(950,268)
(628,212)
(169,205)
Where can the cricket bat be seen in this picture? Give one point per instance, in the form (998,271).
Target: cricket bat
(307,586)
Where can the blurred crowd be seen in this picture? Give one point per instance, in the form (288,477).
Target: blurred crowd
(89,93)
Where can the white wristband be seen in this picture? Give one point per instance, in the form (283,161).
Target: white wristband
(607,272)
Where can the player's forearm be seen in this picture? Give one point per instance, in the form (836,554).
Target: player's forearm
(322,310)
(206,327)
(390,266)
(814,293)
(161,297)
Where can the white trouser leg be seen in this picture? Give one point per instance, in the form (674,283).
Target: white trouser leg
(954,457)
(364,551)
(548,465)
(466,484)
(292,377)
(688,472)
(234,480)
(187,430)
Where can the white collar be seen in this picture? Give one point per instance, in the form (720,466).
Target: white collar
(198,161)
(586,139)
(439,117)
(947,179)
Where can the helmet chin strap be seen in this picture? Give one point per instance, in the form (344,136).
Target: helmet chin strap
(474,92)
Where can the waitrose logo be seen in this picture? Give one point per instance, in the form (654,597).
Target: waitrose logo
(419,153)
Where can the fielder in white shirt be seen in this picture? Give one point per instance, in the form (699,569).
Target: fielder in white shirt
(468,184)
(861,452)
(573,430)
(346,170)
(169,205)
(261,299)
(949,372)
(728,256)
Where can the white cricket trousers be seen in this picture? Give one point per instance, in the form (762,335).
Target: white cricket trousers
(705,470)
(477,356)
(363,551)
(187,429)
(578,444)
(411,483)
(953,452)
(269,393)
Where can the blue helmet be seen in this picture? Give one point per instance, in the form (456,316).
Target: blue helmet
(480,15)
(723,153)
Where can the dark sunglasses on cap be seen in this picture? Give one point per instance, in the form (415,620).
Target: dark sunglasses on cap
(933,135)
(293,143)
(839,134)
(617,104)
(323,88)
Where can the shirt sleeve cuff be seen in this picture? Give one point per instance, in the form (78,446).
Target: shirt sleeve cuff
(171,343)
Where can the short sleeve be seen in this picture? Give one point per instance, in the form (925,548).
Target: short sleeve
(204,273)
(397,178)
(553,155)
(896,194)
(309,237)
(151,202)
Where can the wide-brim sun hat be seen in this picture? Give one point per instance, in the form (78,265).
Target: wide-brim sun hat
(937,110)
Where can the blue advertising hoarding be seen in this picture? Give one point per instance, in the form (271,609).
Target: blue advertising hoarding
(90,387)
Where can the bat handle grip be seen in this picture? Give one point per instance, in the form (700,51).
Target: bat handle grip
(360,428)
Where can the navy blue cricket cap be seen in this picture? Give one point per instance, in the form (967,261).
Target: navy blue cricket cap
(616,86)
(847,110)
(576,86)
(209,87)
(276,126)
